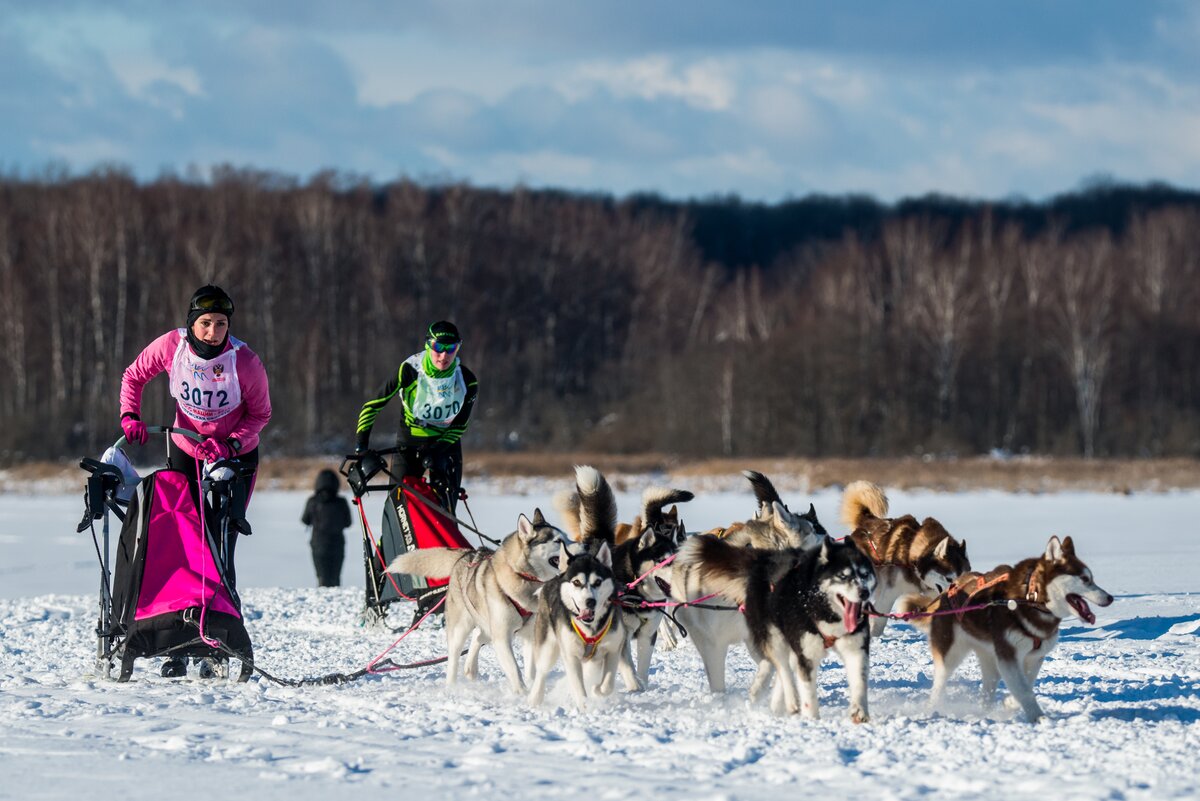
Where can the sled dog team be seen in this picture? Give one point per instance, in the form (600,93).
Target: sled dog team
(597,592)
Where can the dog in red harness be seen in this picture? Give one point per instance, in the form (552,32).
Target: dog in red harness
(1009,617)
(492,594)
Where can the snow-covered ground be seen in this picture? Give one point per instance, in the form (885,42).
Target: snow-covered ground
(1123,697)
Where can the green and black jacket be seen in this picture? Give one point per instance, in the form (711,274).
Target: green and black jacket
(404,383)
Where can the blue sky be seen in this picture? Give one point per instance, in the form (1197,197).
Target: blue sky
(682,97)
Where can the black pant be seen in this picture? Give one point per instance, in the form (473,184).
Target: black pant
(445,466)
(327,559)
(178,459)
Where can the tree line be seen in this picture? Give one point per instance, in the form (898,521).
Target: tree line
(822,326)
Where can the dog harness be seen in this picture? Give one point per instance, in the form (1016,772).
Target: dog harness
(522,611)
(590,644)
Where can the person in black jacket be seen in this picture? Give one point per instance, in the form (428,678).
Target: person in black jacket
(329,515)
(437,393)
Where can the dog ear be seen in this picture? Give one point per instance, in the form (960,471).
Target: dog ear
(812,513)
(680,532)
(538,520)
(942,549)
(564,557)
(824,557)
(1054,551)
(1068,548)
(525,529)
(647,539)
(604,555)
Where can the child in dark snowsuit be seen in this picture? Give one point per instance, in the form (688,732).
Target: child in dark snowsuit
(329,515)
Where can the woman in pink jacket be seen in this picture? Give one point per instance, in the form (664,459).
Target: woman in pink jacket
(220,391)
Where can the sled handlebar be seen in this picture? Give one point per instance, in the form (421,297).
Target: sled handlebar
(192,435)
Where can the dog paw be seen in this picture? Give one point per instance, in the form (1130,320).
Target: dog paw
(859,715)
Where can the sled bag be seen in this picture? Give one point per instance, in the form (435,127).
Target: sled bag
(409,524)
(166,565)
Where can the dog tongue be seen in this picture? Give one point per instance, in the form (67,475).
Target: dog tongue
(1081,606)
(850,613)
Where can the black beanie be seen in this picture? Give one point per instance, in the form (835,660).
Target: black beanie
(444,332)
(209,299)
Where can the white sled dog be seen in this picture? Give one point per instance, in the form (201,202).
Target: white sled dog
(492,594)
(714,629)
(1019,627)
(909,557)
(798,604)
(654,536)
(577,616)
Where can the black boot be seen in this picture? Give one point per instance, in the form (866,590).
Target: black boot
(174,667)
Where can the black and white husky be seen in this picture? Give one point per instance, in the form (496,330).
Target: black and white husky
(637,561)
(492,594)
(798,604)
(713,629)
(578,618)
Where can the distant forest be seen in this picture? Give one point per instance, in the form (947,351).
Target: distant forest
(814,327)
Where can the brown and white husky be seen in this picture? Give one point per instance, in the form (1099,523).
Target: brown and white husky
(1019,626)
(909,557)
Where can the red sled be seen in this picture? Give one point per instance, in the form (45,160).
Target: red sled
(413,517)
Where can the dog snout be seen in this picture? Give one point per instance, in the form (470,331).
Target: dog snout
(591,603)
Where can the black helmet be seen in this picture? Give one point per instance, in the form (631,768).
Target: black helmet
(443,332)
(209,299)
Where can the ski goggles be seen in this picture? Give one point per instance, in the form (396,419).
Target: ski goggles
(220,305)
(440,347)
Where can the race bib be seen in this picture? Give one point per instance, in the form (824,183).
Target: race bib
(436,401)
(205,389)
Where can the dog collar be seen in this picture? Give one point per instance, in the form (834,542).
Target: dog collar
(529,577)
(591,643)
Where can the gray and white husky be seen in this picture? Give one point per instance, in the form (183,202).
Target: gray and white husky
(653,539)
(578,618)
(492,594)
(798,604)
(1019,626)
(714,629)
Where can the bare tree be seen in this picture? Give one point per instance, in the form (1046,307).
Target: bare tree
(1085,289)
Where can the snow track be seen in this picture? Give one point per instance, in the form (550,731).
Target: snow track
(1123,697)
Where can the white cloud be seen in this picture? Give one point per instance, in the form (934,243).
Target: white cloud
(704,84)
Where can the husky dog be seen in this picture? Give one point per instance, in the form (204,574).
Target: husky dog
(665,524)
(635,557)
(492,594)
(578,618)
(798,604)
(1011,637)
(713,630)
(908,557)
(773,525)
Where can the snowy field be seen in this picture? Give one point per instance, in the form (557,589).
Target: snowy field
(1123,697)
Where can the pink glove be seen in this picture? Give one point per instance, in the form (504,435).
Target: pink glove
(213,450)
(133,429)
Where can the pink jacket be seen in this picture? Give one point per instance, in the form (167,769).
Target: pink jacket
(242,424)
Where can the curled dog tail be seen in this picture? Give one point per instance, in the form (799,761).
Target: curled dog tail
(718,566)
(764,490)
(917,603)
(655,499)
(860,500)
(566,503)
(597,508)
(428,562)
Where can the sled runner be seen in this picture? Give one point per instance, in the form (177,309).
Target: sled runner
(169,594)
(415,516)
